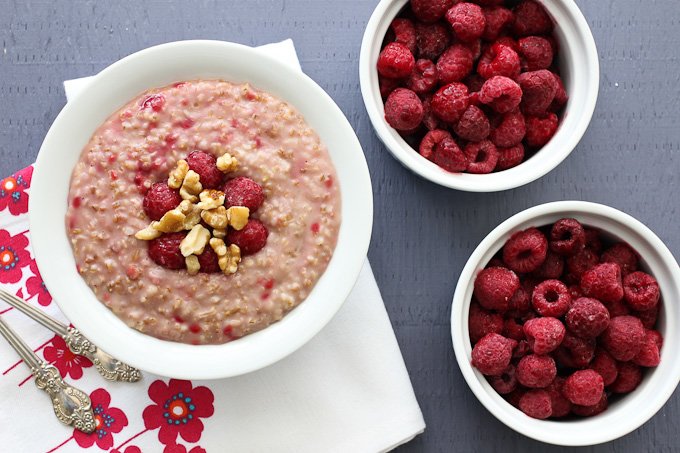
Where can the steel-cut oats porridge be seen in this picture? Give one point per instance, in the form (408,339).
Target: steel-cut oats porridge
(139,146)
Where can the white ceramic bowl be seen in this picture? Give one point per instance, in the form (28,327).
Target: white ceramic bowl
(580,72)
(109,90)
(624,414)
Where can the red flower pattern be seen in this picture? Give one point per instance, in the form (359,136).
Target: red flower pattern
(13,191)
(108,420)
(36,286)
(13,256)
(66,362)
(177,409)
(179,448)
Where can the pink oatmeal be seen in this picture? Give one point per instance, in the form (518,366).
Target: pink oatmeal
(138,146)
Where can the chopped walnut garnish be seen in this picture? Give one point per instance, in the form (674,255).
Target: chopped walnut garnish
(238,216)
(220,233)
(216,218)
(191,186)
(193,266)
(148,233)
(171,222)
(227,163)
(194,243)
(210,199)
(177,175)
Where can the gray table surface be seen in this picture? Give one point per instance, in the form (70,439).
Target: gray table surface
(423,234)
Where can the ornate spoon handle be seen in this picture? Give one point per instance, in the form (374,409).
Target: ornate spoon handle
(108,366)
(71,405)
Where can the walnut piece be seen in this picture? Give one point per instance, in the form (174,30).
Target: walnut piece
(229,262)
(216,218)
(192,214)
(193,266)
(171,222)
(148,233)
(210,199)
(194,243)
(191,186)
(227,163)
(177,175)
(238,216)
(220,233)
(218,246)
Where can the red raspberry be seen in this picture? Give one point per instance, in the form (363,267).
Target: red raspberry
(509,157)
(648,317)
(641,291)
(430,142)
(243,191)
(450,102)
(521,349)
(536,404)
(467,21)
(536,53)
(250,239)
(494,287)
(509,130)
(482,322)
(623,338)
(575,292)
(593,241)
(538,91)
(561,96)
(448,156)
(208,261)
(430,120)
(499,60)
(648,356)
(515,396)
(603,282)
(511,329)
(506,382)
(520,302)
(404,110)
(567,237)
(454,64)
(432,40)
(584,387)
(561,407)
(508,41)
(164,250)
(536,371)
(491,355)
(552,267)
(618,309)
(575,352)
(475,48)
(430,10)
(205,165)
(540,129)
(544,334)
(482,157)
(605,365)
(424,78)
(551,298)
(395,61)
(387,86)
(489,2)
(587,318)
(589,411)
(501,94)
(656,335)
(623,255)
(629,377)
(404,33)
(498,19)
(531,19)
(525,251)
(473,125)
(160,199)
(582,261)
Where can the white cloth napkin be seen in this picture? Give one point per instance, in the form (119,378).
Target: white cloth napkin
(347,390)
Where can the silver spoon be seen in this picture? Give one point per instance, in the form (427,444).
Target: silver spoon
(108,366)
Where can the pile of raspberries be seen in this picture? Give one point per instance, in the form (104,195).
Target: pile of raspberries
(472,85)
(559,323)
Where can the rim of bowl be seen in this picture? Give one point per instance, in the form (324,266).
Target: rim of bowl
(573,124)
(256,350)
(658,384)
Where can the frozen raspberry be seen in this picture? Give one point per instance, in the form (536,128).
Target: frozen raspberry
(430,10)
(482,322)
(473,125)
(520,302)
(656,336)
(511,329)
(450,102)
(584,387)
(482,157)
(567,237)
(423,79)
(531,19)
(432,40)
(494,287)
(575,352)
(536,371)
(404,110)
(629,377)
(404,33)
(648,356)
(467,21)
(208,261)
(395,61)
(430,120)
(605,365)
(536,53)
(509,157)
(475,48)
(387,86)
(250,239)
(430,142)
(561,96)
(575,292)
(509,130)
(506,382)
(448,156)
(544,334)
(623,338)
(538,91)
(587,318)
(160,199)
(454,64)
(589,411)
(648,317)
(618,309)
(508,41)
(525,251)
(243,191)
(205,165)
(497,20)
(640,291)
(491,355)
(515,396)
(623,255)
(499,60)
(540,129)
(552,267)
(593,241)
(164,250)
(536,404)
(501,94)
(561,407)
(551,298)
(521,349)
(603,282)
(582,261)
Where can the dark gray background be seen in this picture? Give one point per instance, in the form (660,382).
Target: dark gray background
(423,234)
